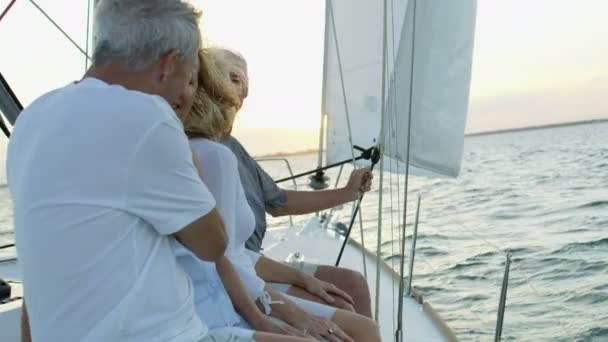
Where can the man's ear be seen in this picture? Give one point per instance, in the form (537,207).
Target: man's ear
(168,62)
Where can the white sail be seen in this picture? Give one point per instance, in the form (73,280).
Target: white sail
(360,48)
(441,76)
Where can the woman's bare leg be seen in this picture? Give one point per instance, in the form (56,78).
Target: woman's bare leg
(338,303)
(351,282)
(358,327)
(268,337)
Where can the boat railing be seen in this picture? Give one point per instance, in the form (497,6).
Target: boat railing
(504,258)
(289,169)
(408,278)
(505,261)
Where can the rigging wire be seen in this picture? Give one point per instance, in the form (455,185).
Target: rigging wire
(381,147)
(393,139)
(363,245)
(342,84)
(376,157)
(527,277)
(348,122)
(398,333)
(86,59)
(57,26)
(7,8)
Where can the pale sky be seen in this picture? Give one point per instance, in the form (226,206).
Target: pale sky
(535,61)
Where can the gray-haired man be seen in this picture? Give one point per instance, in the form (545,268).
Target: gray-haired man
(101,175)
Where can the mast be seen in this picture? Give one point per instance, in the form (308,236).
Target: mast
(323,113)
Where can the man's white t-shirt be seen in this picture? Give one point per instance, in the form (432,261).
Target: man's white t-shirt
(100,176)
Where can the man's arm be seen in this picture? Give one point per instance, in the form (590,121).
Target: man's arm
(205,237)
(26,335)
(165,189)
(305,202)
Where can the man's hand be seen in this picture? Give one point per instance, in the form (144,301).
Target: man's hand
(360,180)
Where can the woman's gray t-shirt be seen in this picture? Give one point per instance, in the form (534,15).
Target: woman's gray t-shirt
(261,191)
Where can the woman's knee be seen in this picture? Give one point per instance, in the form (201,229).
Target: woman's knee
(348,280)
(357,326)
(358,282)
(342,304)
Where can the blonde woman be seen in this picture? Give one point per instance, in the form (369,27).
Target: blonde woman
(211,112)
(336,286)
(212,299)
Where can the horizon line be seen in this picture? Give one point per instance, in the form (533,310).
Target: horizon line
(474,134)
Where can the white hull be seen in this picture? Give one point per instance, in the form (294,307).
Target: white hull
(311,243)
(316,245)
(10,313)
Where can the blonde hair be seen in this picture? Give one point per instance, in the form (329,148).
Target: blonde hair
(215,102)
(228,60)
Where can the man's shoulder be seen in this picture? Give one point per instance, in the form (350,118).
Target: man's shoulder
(146,107)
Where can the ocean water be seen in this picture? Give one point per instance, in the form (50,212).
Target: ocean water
(540,195)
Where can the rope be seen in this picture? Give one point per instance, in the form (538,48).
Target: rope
(60,29)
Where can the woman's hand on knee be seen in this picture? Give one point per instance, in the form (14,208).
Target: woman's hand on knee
(269,326)
(322,329)
(326,291)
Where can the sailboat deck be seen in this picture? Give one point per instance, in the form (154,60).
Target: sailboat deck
(313,244)
(309,243)
(10,313)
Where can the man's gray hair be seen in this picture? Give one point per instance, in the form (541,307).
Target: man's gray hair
(136,33)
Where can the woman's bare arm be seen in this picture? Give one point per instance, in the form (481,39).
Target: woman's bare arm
(242,302)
